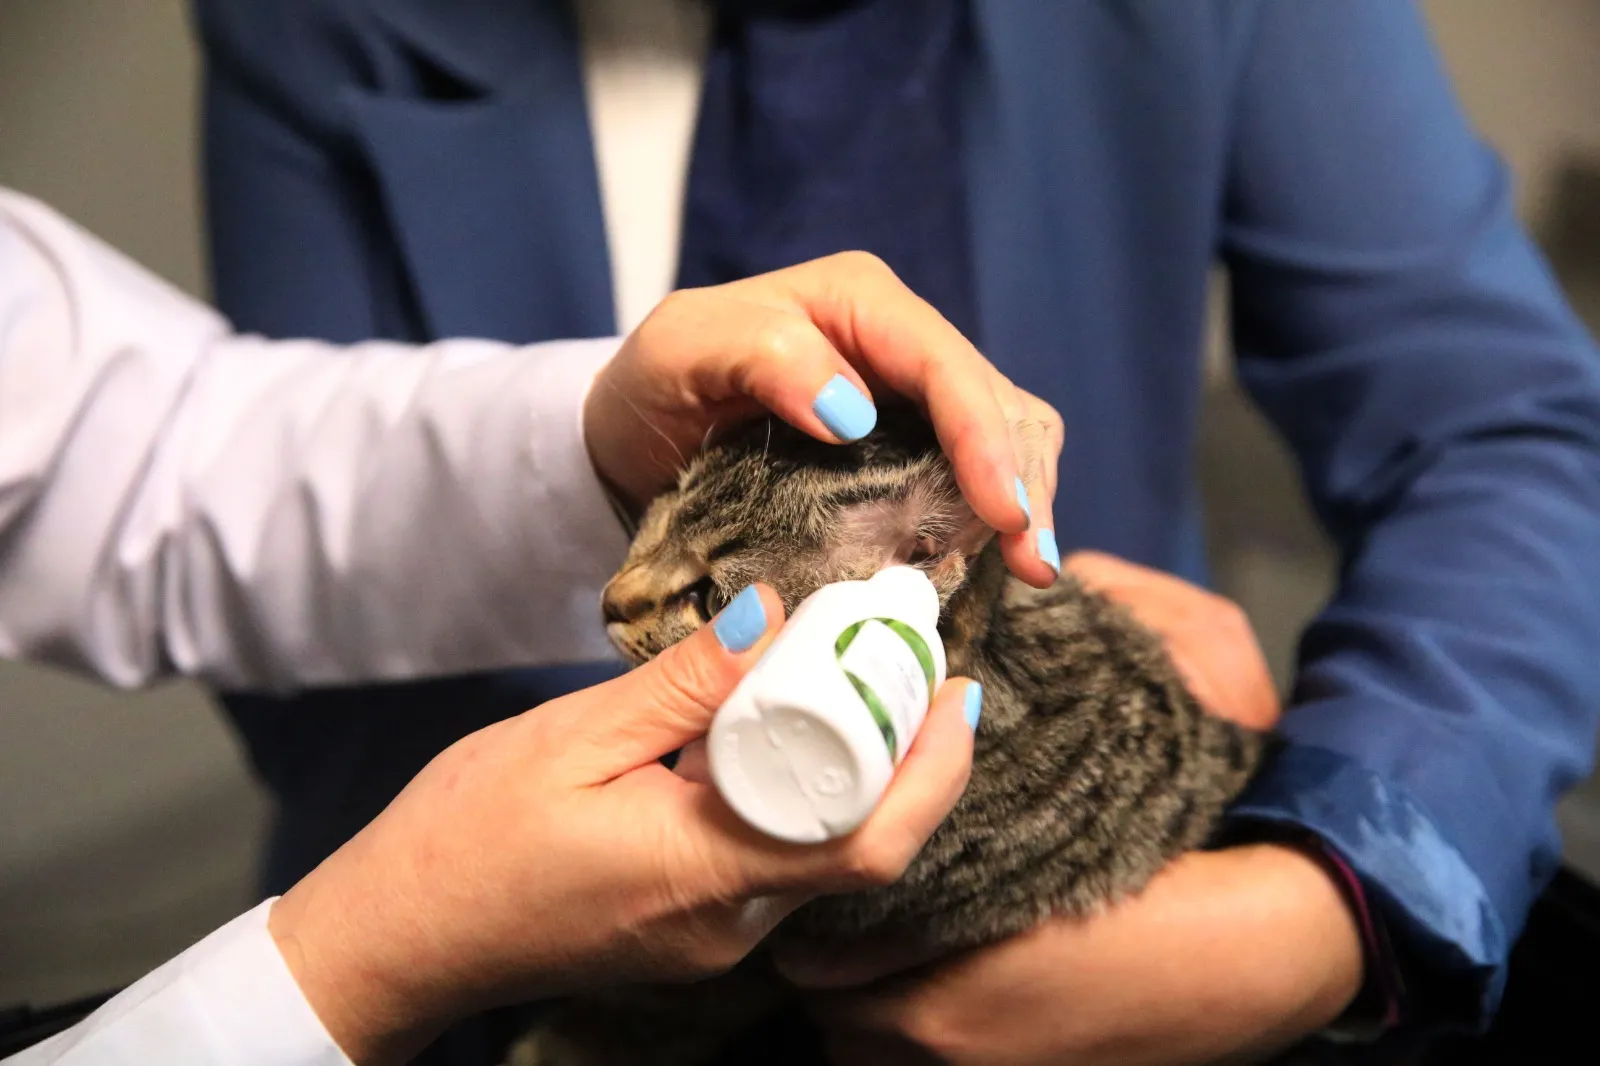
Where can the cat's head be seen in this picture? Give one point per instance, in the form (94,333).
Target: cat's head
(772,504)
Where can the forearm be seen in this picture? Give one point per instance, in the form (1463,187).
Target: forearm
(1396,324)
(175,498)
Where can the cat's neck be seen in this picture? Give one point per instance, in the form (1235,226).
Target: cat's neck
(970,612)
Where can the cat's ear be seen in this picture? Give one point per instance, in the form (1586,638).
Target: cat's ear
(925,522)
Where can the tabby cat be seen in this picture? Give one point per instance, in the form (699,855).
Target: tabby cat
(1093,765)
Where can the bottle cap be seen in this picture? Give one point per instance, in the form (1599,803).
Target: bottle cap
(797,775)
(911,587)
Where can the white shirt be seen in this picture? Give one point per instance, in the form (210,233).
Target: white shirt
(178,498)
(227,1001)
(214,496)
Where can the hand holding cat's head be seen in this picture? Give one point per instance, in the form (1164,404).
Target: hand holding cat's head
(772,505)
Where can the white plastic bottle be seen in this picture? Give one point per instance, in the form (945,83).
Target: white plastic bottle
(805,747)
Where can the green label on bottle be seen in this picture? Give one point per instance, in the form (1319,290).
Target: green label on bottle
(880,673)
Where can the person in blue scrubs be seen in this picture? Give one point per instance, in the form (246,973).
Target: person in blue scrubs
(1059,180)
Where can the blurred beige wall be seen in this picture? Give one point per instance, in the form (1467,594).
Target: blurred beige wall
(127,825)
(96,105)
(1529,73)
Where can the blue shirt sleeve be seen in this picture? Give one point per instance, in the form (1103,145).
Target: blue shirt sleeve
(1396,325)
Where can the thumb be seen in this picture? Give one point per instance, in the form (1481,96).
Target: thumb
(635,719)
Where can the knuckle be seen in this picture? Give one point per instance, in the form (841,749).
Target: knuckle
(968,436)
(1051,429)
(683,678)
(710,959)
(661,328)
(778,341)
(1047,415)
(863,263)
(677,301)
(676,305)
(1233,617)
(1030,430)
(928,1025)
(1091,563)
(874,864)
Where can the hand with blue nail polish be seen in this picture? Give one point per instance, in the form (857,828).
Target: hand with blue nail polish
(1224,913)
(1209,637)
(818,345)
(552,852)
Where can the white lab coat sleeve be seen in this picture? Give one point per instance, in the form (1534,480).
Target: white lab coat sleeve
(177,498)
(227,1001)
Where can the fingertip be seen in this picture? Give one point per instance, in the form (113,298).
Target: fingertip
(845,409)
(1049,553)
(972,704)
(947,718)
(743,622)
(749,620)
(1021,553)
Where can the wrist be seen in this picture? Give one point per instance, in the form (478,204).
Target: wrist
(1374,1007)
(368,1003)
(1375,1010)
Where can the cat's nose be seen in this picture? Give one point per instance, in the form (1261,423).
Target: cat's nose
(626,597)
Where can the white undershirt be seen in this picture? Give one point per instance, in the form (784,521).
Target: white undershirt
(643,63)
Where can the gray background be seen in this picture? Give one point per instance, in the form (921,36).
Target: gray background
(129,825)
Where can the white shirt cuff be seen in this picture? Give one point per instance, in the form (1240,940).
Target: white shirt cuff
(229,1001)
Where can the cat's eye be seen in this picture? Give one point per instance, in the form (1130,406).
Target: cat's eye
(704,598)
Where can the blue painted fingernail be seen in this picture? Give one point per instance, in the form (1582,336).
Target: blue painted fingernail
(1022,499)
(1048,550)
(742,622)
(844,410)
(974,706)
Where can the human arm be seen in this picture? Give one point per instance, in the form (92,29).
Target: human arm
(1152,982)
(1396,325)
(1233,953)
(545,854)
(176,498)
